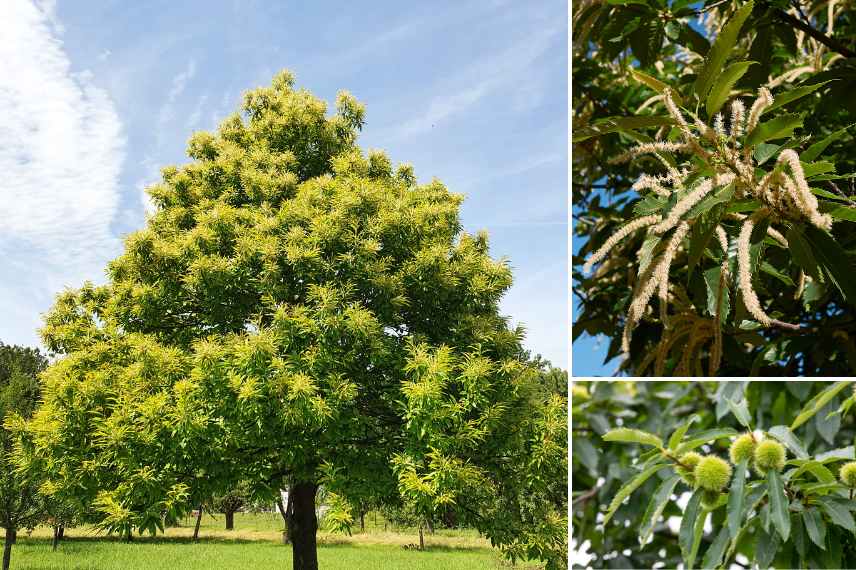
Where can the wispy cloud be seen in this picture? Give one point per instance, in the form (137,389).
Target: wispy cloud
(61,153)
(476,81)
(167,111)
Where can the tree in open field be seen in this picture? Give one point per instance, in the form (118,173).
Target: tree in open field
(713,185)
(714,475)
(21,506)
(295,314)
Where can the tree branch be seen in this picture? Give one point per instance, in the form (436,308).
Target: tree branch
(814,33)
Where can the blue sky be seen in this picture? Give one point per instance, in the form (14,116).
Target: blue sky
(97,96)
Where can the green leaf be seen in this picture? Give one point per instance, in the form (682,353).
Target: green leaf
(656,506)
(626,490)
(786,436)
(616,124)
(848,452)
(819,167)
(647,40)
(814,150)
(778,504)
(847,213)
(816,403)
(679,433)
(654,84)
(698,439)
(786,97)
(815,526)
(741,412)
(714,289)
(723,85)
(701,234)
(713,556)
(816,468)
(719,52)
(688,520)
(801,252)
(777,128)
(766,547)
(691,39)
(764,152)
(628,435)
(735,499)
(838,513)
(835,261)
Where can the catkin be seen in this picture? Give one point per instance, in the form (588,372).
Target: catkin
(617,237)
(646,291)
(738,110)
(683,206)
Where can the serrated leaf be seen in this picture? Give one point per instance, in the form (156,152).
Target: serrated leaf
(701,234)
(837,513)
(719,52)
(778,504)
(814,150)
(776,128)
(715,288)
(835,261)
(741,412)
(698,439)
(688,524)
(815,404)
(628,435)
(801,252)
(713,556)
(616,124)
(786,97)
(786,436)
(628,489)
(817,469)
(815,526)
(681,431)
(766,547)
(836,454)
(654,84)
(735,499)
(724,83)
(656,506)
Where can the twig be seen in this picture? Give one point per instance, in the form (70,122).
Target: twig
(814,33)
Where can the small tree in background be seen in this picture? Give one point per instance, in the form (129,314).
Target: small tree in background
(298,314)
(21,506)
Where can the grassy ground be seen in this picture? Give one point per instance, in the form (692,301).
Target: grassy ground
(255,543)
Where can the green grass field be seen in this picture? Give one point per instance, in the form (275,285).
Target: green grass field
(255,543)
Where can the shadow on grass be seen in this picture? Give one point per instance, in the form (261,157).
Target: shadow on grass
(215,540)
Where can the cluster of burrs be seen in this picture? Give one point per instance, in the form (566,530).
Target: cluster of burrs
(783,194)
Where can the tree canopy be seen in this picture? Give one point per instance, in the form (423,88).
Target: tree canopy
(712,160)
(21,506)
(298,314)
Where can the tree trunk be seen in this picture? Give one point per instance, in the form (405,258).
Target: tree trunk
(230,520)
(430,524)
(362,521)
(55,542)
(284,510)
(7,547)
(421,538)
(61,533)
(129,534)
(198,522)
(302,526)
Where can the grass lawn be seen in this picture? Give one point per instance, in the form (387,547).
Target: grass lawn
(255,543)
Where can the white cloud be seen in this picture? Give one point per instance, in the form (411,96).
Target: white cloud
(477,81)
(61,153)
(167,110)
(196,114)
